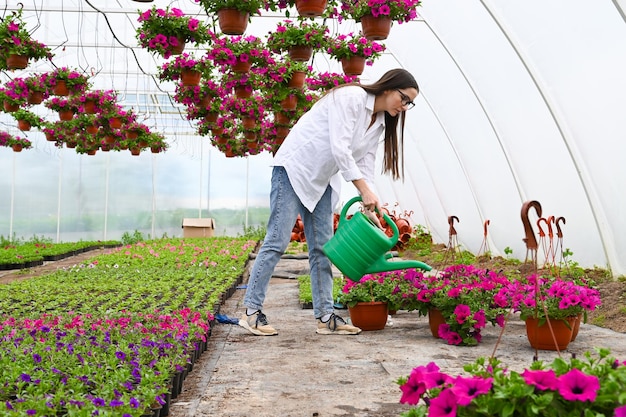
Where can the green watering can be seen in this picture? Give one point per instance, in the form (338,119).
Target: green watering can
(359,247)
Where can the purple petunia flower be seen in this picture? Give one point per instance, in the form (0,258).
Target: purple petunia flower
(575,385)
(542,380)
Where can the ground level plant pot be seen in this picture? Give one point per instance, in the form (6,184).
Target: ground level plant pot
(369,315)
(435,319)
(555,335)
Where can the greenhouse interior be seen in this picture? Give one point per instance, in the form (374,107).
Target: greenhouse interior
(138,144)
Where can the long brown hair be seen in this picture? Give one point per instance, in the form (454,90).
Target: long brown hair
(394,147)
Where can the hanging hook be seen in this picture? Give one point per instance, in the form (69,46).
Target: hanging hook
(485,224)
(559,232)
(452,230)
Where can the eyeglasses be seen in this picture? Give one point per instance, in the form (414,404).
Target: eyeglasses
(406,100)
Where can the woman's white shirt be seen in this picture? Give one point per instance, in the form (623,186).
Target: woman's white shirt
(333,137)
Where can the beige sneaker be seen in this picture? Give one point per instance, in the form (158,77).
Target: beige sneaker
(336,325)
(257,324)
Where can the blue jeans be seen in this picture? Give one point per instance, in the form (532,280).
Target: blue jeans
(318,229)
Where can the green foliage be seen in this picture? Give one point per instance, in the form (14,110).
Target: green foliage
(128,239)
(254,232)
(304,288)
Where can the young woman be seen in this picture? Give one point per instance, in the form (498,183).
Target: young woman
(338,135)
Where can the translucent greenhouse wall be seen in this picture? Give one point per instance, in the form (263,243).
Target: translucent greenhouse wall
(518,101)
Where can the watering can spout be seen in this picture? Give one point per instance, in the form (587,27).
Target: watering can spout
(359,247)
(386,265)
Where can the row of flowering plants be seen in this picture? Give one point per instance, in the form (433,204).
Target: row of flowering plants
(469,298)
(16,40)
(592,386)
(111,335)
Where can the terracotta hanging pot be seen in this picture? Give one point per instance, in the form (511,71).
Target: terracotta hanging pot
(289,103)
(369,315)
(205,101)
(92,129)
(301,53)
(90,106)
(241,67)
(211,117)
(541,337)
(17,147)
(282,132)
(50,137)
(281,118)
(297,80)
(232,21)
(155,150)
(435,319)
(132,134)
(250,135)
(248,123)
(35,97)
(311,8)
(190,77)
(110,139)
(376,28)
(15,61)
(10,107)
(353,65)
(23,125)
(217,131)
(115,123)
(243,91)
(135,151)
(60,88)
(91,152)
(66,115)
(221,140)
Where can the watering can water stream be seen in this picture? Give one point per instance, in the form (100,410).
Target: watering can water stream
(359,247)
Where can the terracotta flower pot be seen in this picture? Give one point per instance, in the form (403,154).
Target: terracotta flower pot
(435,319)
(243,91)
(232,21)
(35,97)
(311,8)
(541,337)
(241,67)
(369,315)
(66,115)
(17,147)
(23,125)
(281,118)
(90,106)
(353,65)
(179,48)
(15,61)
(115,123)
(60,88)
(92,129)
(190,77)
(289,103)
(301,53)
(248,123)
(376,28)
(297,80)
(10,107)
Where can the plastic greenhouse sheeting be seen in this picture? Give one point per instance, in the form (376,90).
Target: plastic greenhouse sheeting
(518,101)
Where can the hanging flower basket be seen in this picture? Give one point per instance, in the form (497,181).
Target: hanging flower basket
(353,65)
(232,21)
(297,80)
(190,77)
(60,88)
(376,28)
(311,8)
(301,53)
(23,125)
(35,97)
(15,61)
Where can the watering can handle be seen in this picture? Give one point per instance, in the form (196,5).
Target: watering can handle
(391,223)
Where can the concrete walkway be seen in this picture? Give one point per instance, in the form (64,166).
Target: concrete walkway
(300,373)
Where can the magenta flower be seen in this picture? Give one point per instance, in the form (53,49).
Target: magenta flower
(466,389)
(575,385)
(542,380)
(620,411)
(462,312)
(443,405)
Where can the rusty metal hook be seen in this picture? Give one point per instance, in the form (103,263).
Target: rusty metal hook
(541,232)
(485,224)
(530,239)
(559,232)
(452,230)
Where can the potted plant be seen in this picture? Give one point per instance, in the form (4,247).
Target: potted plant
(15,42)
(300,39)
(397,10)
(287,73)
(27,119)
(228,52)
(166,31)
(65,81)
(461,300)
(95,101)
(327,80)
(14,142)
(12,98)
(37,86)
(249,7)
(592,386)
(368,299)
(548,304)
(187,68)
(64,106)
(354,50)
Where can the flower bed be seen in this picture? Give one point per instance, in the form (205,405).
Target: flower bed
(110,335)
